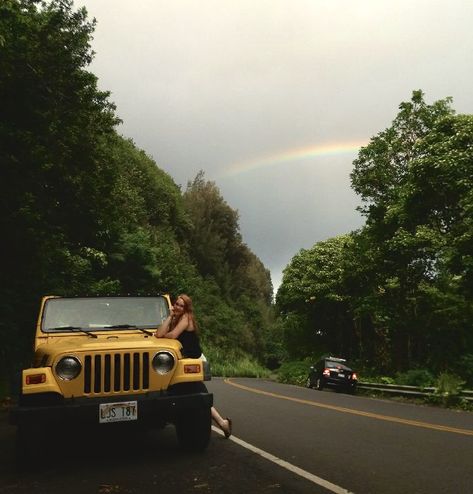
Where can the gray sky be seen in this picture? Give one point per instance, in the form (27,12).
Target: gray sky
(272,98)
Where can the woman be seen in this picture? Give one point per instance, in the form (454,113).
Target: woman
(181,325)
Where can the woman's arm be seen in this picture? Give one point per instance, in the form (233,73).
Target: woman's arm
(165,325)
(164,332)
(181,326)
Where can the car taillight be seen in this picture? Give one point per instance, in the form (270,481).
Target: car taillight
(354,376)
(326,372)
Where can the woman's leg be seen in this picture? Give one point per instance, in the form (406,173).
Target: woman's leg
(224,424)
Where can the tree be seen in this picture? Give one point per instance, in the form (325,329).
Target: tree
(415,179)
(217,247)
(85,211)
(53,180)
(314,287)
(383,165)
(215,238)
(398,291)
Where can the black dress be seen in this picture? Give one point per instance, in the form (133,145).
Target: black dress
(190,344)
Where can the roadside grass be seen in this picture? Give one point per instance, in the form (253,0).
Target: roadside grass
(223,364)
(447,394)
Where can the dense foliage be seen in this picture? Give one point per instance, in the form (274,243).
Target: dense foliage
(397,294)
(85,211)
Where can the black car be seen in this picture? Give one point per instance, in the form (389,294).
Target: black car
(332,372)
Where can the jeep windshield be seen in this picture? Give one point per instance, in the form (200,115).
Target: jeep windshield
(103,313)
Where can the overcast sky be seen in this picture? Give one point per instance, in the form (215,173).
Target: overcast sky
(273,98)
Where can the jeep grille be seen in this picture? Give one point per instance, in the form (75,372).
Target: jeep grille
(116,372)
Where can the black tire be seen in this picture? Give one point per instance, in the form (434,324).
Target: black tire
(193,430)
(28,443)
(308,383)
(351,390)
(319,384)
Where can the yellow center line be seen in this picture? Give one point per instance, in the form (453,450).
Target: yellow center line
(387,418)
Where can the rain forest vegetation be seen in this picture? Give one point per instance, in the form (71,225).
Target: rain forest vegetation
(396,296)
(84,211)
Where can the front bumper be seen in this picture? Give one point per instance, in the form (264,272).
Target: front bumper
(153,408)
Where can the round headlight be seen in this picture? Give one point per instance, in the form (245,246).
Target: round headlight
(163,362)
(68,368)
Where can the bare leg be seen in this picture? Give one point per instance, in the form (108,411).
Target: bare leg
(224,424)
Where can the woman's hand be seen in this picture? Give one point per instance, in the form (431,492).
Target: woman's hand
(164,328)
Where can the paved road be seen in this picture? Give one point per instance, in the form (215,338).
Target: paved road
(361,444)
(356,444)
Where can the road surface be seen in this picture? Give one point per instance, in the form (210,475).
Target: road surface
(287,439)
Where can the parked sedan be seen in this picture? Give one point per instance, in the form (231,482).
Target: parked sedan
(332,372)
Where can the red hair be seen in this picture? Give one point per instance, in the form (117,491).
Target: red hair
(188,310)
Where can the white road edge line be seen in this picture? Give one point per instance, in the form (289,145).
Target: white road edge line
(288,466)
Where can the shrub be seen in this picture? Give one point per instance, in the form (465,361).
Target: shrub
(295,372)
(237,364)
(449,384)
(447,391)
(373,378)
(415,377)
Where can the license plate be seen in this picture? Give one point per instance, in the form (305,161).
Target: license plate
(118,412)
(341,375)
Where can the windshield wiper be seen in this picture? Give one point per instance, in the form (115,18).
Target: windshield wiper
(129,326)
(73,329)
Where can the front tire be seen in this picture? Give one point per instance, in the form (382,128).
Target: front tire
(308,383)
(319,384)
(193,429)
(28,443)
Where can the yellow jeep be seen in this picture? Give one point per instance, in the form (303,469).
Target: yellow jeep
(97,362)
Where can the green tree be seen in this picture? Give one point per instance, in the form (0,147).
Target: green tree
(415,180)
(215,238)
(217,246)
(398,291)
(314,287)
(85,211)
(53,180)
(223,259)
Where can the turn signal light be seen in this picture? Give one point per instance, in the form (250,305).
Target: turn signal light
(326,372)
(36,379)
(192,368)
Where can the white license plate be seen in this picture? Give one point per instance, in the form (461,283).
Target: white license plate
(118,412)
(341,375)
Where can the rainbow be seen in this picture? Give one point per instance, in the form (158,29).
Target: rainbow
(292,155)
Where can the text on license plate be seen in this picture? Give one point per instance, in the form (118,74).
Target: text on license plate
(118,412)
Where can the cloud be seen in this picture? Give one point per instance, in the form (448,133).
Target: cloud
(220,86)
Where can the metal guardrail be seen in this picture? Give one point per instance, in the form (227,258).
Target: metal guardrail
(414,391)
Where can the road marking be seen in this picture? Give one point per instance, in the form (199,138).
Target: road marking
(387,418)
(288,466)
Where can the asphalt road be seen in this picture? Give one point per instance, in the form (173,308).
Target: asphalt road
(325,441)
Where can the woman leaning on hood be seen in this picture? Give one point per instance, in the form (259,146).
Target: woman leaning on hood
(181,325)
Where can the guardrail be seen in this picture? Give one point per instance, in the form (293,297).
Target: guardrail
(413,391)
